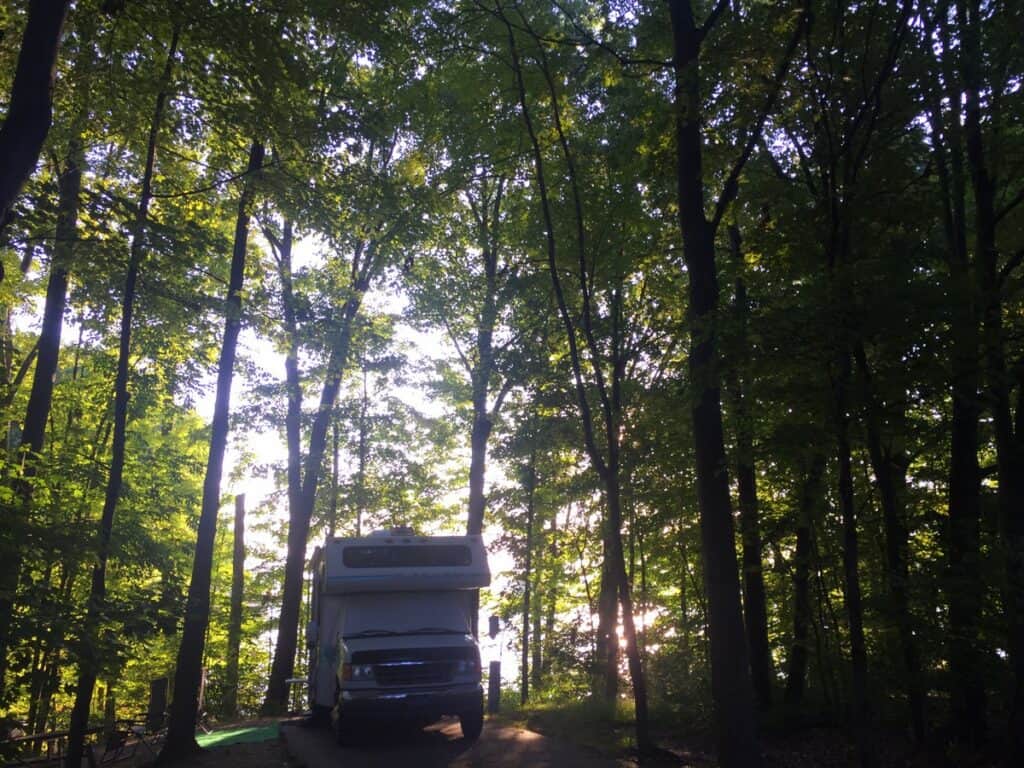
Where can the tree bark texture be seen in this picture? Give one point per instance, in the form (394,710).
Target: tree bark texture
(731,686)
(524,687)
(235,617)
(755,610)
(962,534)
(47,348)
(606,462)
(889,466)
(998,380)
(90,661)
(366,264)
(188,673)
(860,715)
(30,109)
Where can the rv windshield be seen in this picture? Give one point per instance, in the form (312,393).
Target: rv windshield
(405,613)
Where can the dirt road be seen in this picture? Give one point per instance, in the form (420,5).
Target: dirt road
(439,745)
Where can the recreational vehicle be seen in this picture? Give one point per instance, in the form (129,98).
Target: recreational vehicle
(390,633)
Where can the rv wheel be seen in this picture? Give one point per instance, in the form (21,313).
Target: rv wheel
(472,722)
(339,727)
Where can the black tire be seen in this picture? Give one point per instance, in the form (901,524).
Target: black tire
(340,727)
(472,722)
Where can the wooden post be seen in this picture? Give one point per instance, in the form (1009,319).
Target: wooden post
(157,704)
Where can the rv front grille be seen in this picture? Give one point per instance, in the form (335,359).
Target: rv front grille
(413,672)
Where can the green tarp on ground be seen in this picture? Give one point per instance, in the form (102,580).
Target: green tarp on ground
(239,735)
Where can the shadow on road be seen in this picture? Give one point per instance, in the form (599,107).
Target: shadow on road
(391,746)
(442,741)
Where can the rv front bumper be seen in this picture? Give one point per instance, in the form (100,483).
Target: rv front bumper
(429,703)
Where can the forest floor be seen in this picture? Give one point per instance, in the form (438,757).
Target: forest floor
(513,740)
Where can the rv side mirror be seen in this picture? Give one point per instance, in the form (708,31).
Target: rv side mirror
(493,626)
(312,630)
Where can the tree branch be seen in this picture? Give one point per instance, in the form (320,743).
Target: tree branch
(731,187)
(1013,203)
(712,18)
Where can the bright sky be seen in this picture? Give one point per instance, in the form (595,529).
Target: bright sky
(269,447)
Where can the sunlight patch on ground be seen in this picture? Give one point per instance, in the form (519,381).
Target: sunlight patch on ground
(245,734)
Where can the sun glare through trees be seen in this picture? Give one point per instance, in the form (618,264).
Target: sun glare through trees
(697,324)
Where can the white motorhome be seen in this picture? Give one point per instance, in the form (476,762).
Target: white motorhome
(390,633)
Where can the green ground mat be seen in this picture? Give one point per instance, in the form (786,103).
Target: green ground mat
(238,735)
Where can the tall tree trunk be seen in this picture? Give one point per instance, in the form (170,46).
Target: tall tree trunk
(606,463)
(531,483)
(30,109)
(755,611)
(967,694)
(606,671)
(332,524)
(796,664)
(47,348)
(1008,439)
(890,470)
(365,265)
(293,385)
(235,617)
(543,607)
(90,661)
(181,727)
(540,659)
(618,567)
(41,396)
(731,687)
(860,707)
(962,535)
(487,213)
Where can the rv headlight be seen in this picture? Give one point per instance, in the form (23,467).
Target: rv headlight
(465,665)
(356,671)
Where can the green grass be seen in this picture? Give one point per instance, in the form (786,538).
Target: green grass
(239,735)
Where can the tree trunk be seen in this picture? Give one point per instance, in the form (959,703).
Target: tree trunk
(1008,439)
(755,611)
(181,727)
(967,694)
(606,465)
(540,659)
(235,617)
(962,536)
(364,454)
(524,688)
(41,396)
(366,263)
(731,687)
(542,607)
(89,661)
(606,670)
(30,108)
(293,385)
(618,568)
(890,470)
(860,706)
(796,665)
(483,370)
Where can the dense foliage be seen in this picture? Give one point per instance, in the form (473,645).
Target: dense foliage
(707,314)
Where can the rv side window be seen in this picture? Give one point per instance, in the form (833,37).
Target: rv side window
(407,556)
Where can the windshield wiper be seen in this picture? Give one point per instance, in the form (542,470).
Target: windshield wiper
(436,631)
(373,633)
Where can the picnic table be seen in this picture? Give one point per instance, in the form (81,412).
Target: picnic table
(105,746)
